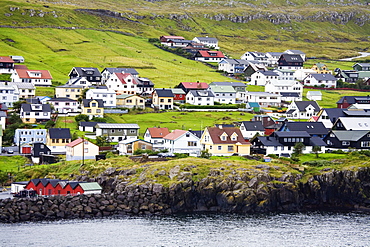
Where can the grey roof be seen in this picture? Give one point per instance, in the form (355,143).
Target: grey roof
(131,71)
(88,124)
(206,39)
(226,83)
(317,141)
(292,58)
(117,126)
(22,85)
(164,92)
(70,86)
(355,123)
(83,71)
(88,186)
(357,113)
(86,102)
(269,141)
(296,51)
(144,81)
(33,101)
(44,108)
(352,99)
(290,111)
(201,93)
(334,113)
(314,93)
(275,53)
(253,125)
(313,128)
(268,73)
(236,61)
(288,94)
(292,134)
(323,77)
(301,105)
(59,133)
(345,135)
(62,99)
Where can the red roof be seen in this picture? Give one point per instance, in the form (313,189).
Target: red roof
(158,132)
(175,134)
(195,85)
(25,73)
(19,66)
(75,142)
(217,54)
(172,37)
(6,60)
(216,133)
(123,76)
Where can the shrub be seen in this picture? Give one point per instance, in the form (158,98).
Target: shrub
(274,156)
(317,163)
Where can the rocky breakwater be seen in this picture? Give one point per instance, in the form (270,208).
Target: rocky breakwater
(230,188)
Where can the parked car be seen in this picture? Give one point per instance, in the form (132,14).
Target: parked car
(10,151)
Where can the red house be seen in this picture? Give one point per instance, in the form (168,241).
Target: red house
(187,86)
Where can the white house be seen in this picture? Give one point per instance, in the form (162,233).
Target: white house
(263,98)
(272,58)
(251,128)
(200,97)
(285,74)
(108,72)
(8,94)
(107,95)
(314,95)
(232,66)
(207,41)
(81,149)
(155,136)
(223,94)
(24,138)
(254,55)
(65,105)
(300,74)
(260,78)
(321,80)
(24,90)
(182,141)
(209,56)
(302,109)
(122,83)
(35,113)
(36,77)
(289,90)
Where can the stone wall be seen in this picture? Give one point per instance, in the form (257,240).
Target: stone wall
(333,190)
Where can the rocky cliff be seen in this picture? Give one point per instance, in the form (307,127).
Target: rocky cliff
(244,193)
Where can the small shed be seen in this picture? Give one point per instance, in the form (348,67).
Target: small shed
(18,186)
(90,187)
(17,59)
(314,95)
(255,106)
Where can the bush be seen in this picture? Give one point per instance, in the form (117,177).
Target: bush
(274,156)
(82,117)
(180,156)
(317,163)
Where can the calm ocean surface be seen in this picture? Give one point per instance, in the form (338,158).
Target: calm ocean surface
(313,229)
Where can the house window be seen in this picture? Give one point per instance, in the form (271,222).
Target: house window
(219,147)
(88,110)
(86,150)
(98,110)
(132,131)
(192,144)
(230,148)
(365,144)
(345,143)
(161,100)
(275,148)
(93,104)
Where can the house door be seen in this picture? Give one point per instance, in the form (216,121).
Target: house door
(26,150)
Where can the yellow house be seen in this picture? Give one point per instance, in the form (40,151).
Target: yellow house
(57,139)
(93,108)
(224,141)
(130,101)
(321,68)
(163,99)
(69,91)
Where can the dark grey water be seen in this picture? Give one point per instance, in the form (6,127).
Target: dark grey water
(286,230)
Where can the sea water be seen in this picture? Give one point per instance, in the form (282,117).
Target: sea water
(308,229)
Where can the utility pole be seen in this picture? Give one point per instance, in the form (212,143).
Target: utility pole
(83,150)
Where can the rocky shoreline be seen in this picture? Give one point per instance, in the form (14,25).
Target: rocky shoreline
(332,190)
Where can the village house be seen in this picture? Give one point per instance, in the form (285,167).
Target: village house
(81,149)
(328,116)
(24,138)
(179,96)
(108,72)
(223,94)
(312,128)
(122,83)
(17,59)
(35,113)
(207,41)
(300,74)
(57,139)
(320,80)
(6,65)
(35,77)
(182,142)
(69,91)
(321,68)
(128,147)
(193,48)
(24,90)
(345,140)
(272,58)
(87,126)
(352,123)
(84,76)
(302,109)
(289,90)
(187,86)
(145,87)
(116,132)
(347,101)
(166,38)
(155,136)
(233,66)
(254,56)
(240,88)
(281,143)
(350,76)
(174,41)
(290,62)
(93,108)
(260,78)
(8,94)
(39,152)
(130,101)
(106,95)
(200,97)
(220,141)
(314,95)
(361,67)
(163,99)
(263,98)
(65,105)
(209,56)
(249,129)
(253,68)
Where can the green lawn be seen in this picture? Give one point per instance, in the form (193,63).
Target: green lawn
(12,163)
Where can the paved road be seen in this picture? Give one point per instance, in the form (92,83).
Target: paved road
(363,54)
